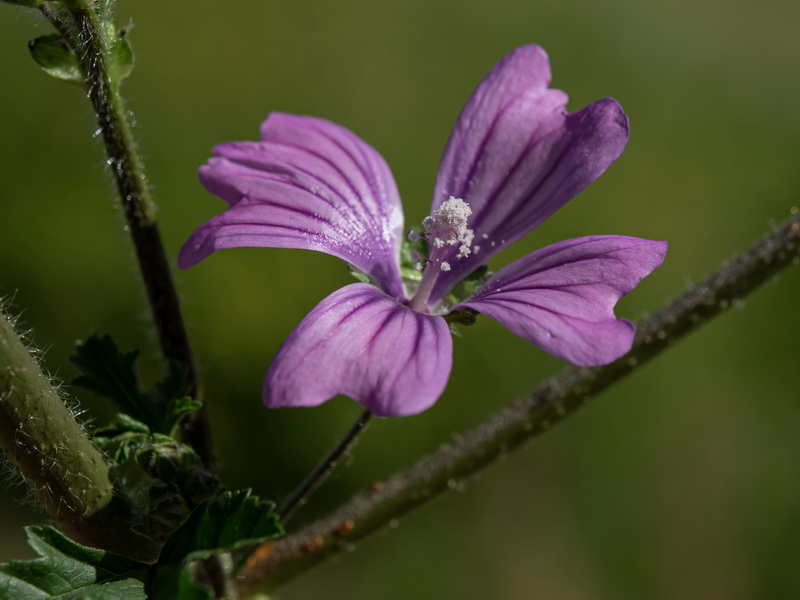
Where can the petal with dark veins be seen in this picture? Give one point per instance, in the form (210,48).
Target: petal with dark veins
(516,155)
(562,297)
(361,343)
(308,184)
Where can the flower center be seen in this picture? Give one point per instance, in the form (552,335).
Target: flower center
(445,228)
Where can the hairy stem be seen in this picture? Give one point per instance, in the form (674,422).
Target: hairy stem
(51,451)
(93,45)
(559,397)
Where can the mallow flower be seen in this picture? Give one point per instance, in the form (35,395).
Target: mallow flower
(514,157)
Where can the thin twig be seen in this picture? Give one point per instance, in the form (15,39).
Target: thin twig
(371,510)
(303,492)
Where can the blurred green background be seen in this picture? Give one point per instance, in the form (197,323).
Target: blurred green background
(680,482)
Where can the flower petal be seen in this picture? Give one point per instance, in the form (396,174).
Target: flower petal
(516,155)
(361,343)
(562,297)
(308,184)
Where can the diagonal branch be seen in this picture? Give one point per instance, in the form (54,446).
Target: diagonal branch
(272,565)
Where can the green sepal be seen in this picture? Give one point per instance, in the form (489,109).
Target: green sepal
(66,569)
(461,317)
(54,55)
(411,275)
(468,286)
(359,275)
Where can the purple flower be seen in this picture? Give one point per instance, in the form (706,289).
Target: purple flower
(514,157)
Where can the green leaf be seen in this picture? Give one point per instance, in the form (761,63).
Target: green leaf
(67,570)
(176,408)
(111,373)
(123,58)
(120,425)
(70,571)
(53,54)
(233,520)
(175,383)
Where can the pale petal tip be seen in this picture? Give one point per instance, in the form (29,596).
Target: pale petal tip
(188,256)
(530,52)
(619,344)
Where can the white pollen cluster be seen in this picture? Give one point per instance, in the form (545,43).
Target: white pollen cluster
(445,266)
(448,226)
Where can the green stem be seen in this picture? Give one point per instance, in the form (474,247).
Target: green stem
(67,474)
(559,397)
(93,45)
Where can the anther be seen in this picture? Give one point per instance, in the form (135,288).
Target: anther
(448,226)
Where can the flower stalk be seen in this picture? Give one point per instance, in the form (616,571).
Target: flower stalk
(309,485)
(92,42)
(374,509)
